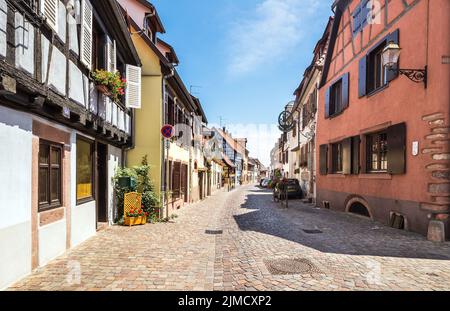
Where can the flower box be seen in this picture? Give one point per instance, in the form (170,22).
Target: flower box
(135,221)
(103,89)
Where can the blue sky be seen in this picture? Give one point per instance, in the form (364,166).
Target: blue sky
(247,56)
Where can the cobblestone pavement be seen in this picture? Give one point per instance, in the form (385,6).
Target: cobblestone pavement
(351,253)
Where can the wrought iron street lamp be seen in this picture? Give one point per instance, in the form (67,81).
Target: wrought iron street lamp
(390,56)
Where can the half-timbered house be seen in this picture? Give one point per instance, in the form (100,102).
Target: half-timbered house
(61,136)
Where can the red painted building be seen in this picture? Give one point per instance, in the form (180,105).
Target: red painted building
(384,139)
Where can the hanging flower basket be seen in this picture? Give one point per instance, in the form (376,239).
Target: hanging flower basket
(109,83)
(103,89)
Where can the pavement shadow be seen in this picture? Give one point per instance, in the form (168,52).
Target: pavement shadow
(333,232)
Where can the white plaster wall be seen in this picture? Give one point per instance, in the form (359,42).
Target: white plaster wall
(3,16)
(57,76)
(73,34)
(24,44)
(15,195)
(52,241)
(114,161)
(83,217)
(76,84)
(84,223)
(45,46)
(62,21)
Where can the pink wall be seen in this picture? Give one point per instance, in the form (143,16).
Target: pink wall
(424,39)
(136,10)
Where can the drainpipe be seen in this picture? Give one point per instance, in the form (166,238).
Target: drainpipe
(164,154)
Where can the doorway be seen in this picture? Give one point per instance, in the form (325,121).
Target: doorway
(102,185)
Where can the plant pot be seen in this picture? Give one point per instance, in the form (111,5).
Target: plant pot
(103,89)
(135,221)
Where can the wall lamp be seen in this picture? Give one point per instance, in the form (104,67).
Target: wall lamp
(390,56)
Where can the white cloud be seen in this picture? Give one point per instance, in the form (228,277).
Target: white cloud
(261,138)
(269,32)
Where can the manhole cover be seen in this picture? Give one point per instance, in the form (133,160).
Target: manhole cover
(313,231)
(288,266)
(214,232)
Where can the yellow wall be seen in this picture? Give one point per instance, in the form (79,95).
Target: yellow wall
(148,119)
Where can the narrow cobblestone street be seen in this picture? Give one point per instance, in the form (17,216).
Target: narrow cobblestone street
(346,253)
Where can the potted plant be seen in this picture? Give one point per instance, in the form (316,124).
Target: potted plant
(109,83)
(136,217)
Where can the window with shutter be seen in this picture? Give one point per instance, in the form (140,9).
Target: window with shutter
(133,91)
(337,154)
(337,97)
(86,38)
(376,73)
(361,16)
(377,152)
(49,9)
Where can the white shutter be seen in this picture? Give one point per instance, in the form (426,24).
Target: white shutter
(133,91)
(49,9)
(112,56)
(86,33)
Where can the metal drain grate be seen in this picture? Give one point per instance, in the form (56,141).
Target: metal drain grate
(289,266)
(214,232)
(313,231)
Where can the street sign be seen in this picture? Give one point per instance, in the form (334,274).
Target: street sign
(167,131)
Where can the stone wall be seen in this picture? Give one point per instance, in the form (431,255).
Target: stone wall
(438,172)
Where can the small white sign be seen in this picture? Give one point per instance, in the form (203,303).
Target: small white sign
(415,148)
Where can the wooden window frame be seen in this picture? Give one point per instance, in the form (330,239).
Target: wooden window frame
(93,178)
(376,78)
(336,98)
(369,152)
(49,205)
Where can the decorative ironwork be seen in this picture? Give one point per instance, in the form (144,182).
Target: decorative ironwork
(286,122)
(415,75)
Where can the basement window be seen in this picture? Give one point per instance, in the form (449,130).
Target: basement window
(397,221)
(359,209)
